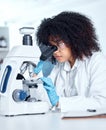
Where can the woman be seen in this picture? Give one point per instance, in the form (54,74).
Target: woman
(78,79)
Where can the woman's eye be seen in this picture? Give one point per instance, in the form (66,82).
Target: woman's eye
(61,45)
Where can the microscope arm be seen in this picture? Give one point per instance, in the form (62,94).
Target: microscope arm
(27,65)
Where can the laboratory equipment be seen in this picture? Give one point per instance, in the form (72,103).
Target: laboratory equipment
(46,54)
(16,91)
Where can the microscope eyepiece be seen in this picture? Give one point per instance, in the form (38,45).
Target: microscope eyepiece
(48,53)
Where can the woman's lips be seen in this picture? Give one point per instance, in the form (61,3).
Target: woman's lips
(58,57)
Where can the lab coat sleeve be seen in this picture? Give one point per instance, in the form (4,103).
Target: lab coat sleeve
(78,103)
(96,97)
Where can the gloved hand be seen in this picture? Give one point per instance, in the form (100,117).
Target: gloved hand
(48,85)
(39,67)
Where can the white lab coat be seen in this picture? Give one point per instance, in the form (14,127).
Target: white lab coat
(90,83)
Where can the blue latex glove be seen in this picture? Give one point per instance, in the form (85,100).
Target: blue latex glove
(48,85)
(39,67)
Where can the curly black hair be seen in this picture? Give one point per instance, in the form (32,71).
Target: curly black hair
(74,28)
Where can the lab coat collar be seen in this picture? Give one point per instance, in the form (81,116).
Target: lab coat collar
(77,63)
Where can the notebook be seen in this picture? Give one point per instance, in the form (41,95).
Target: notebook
(89,113)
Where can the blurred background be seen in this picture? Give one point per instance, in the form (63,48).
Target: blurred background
(15,14)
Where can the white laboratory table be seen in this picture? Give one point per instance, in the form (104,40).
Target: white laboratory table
(50,121)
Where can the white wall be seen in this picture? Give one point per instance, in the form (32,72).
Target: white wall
(94,9)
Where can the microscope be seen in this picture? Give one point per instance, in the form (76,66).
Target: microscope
(17,95)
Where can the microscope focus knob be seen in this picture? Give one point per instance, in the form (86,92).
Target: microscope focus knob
(19,95)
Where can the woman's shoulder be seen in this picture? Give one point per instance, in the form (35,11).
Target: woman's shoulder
(97,59)
(95,56)
(98,56)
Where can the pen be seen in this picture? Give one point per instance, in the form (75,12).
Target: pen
(91,110)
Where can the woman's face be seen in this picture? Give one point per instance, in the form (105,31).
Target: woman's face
(63,53)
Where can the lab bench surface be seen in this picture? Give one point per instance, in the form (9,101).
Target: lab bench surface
(50,121)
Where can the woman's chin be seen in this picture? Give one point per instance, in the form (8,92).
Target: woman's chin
(60,60)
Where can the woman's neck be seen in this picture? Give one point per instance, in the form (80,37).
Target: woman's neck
(72,61)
